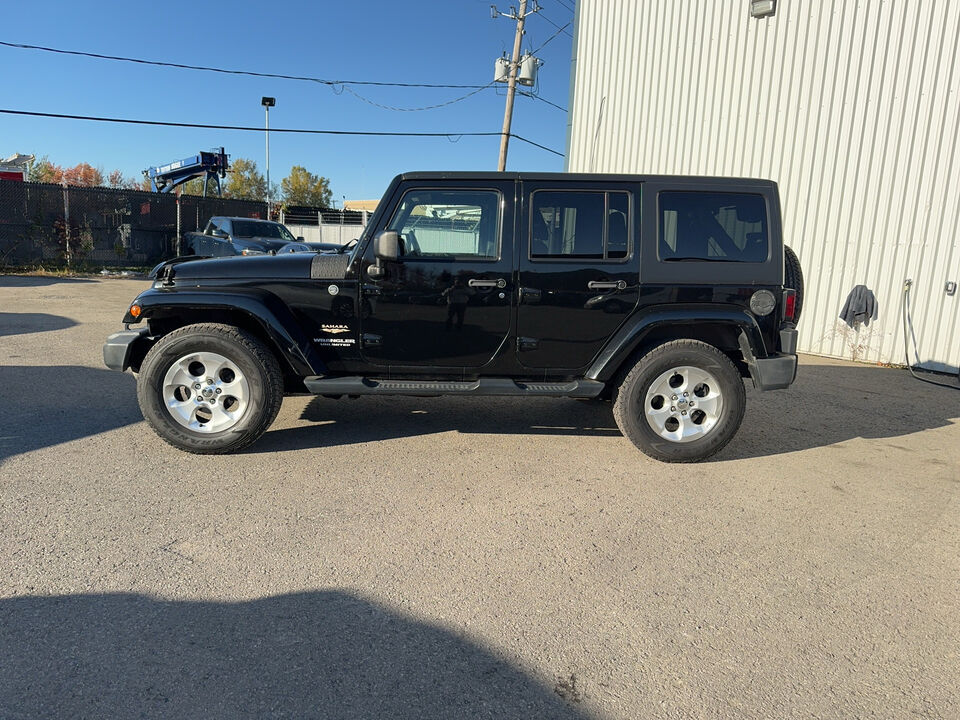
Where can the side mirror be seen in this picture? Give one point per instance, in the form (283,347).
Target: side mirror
(299,238)
(386,247)
(218,233)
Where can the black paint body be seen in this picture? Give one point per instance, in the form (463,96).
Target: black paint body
(333,316)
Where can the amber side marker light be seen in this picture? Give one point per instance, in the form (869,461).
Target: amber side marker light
(135,311)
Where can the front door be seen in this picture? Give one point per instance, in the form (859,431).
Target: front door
(579,270)
(447,302)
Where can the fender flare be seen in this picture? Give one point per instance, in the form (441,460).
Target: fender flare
(267,310)
(633,332)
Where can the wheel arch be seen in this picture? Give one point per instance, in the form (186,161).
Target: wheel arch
(260,313)
(721,328)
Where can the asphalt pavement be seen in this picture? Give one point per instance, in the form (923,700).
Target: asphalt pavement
(456,557)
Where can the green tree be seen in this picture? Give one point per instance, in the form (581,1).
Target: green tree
(302,187)
(195,187)
(244,181)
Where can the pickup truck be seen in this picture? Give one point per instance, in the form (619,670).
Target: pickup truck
(230,236)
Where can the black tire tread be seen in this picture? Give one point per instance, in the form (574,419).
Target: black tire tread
(252,344)
(793,278)
(628,375)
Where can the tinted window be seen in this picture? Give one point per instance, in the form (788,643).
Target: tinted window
(254,228)
(724,227)
(579,225)
(449,223)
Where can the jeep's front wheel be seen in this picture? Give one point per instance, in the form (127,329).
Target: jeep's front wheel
(681,402)
(210,388)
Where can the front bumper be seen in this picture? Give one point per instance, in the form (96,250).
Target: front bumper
(777,371)
(119,347)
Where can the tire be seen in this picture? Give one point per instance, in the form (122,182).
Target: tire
(793,278)
(716,394)
(236,376)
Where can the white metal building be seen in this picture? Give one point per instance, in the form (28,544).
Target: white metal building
(853,107)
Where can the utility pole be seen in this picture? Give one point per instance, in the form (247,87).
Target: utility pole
(512,80)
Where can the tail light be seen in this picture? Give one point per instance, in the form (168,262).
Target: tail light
(789,305)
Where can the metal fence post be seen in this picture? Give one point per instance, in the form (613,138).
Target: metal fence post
(66,220)
(179,235)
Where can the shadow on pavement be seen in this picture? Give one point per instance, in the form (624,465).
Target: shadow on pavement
(38,280)
(828,404)
(26,323)
(47,405)
(367,419)
(305,655)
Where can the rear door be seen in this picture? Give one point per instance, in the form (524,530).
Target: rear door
(578,269)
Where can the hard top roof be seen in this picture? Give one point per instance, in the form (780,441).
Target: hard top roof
(575,177)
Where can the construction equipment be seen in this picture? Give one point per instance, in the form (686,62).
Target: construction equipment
(213,164)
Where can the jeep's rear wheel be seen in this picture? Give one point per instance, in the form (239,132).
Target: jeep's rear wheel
(681,402)
(210,388)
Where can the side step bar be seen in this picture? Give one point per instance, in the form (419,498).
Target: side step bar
(485,386)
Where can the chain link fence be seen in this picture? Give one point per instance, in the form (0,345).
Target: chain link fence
(336,227)
(56,225)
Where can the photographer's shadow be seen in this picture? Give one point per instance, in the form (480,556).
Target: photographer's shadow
(305,655)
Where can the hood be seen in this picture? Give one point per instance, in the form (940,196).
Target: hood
(262,244)
(285,266)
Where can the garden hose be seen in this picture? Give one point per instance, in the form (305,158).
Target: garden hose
(906,348)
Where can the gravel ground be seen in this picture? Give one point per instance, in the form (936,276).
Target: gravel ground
(449,557)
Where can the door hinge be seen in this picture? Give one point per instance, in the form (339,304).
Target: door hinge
(371,340)
(371,290)
(527,343)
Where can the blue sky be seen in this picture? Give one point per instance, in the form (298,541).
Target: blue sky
(445,41)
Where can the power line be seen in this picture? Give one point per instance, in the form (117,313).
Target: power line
(251,73)
(416,109)
(566,6)
(452,136)
(344,84)
(537,97)
(543,44)
(561,29)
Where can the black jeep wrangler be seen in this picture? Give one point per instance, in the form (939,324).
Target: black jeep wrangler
(657,293)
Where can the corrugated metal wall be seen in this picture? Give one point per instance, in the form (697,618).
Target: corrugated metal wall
(852,107)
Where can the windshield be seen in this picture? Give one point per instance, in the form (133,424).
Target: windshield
(259,228)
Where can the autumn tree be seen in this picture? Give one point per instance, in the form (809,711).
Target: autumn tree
(244,181)
(116,180)
(84,175)
(302,187)
(44,171)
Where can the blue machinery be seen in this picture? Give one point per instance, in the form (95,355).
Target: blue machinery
(213,164)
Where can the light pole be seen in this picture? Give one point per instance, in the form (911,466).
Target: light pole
(267,102)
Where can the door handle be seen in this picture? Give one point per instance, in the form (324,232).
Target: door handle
(531,296)
(607,285)
(498,283)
